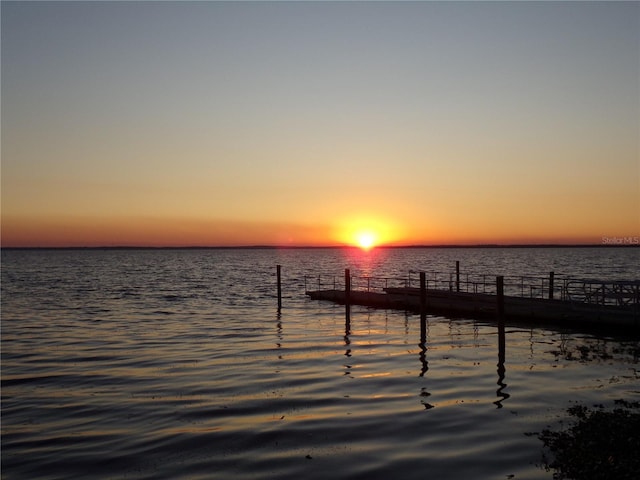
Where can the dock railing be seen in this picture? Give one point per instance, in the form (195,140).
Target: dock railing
(598,292)
(593,292)
(363,283)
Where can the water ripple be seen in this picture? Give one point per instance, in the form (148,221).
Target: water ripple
(175,364)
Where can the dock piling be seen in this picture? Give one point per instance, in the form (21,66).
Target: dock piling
(423,292)
(457,275)
(347,286)
(500,296)
(551,275)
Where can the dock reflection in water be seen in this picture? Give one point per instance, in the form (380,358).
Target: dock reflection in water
(423,344)
(501,366)
(423,348)
(180,378)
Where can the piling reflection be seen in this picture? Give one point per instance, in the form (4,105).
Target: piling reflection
(502,396)
(347,340)
(279,326)
(423,359)
(347,317)
(347,324)
(423,345)
(464,352)
(423,395)
(279,335)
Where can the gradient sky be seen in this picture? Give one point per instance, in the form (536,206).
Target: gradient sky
(241,123)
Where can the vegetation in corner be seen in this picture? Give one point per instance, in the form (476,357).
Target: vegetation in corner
(599,445)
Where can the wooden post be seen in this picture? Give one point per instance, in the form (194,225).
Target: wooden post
(457,275)
(347,286)
(423,292)
(278,268)
(500,296)
(551,274)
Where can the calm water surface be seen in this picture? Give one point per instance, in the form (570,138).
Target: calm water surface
(176,364)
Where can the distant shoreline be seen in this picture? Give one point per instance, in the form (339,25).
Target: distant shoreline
(329,247)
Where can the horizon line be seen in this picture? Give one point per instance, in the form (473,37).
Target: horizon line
(317,247)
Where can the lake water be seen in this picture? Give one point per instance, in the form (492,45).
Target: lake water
(176,364)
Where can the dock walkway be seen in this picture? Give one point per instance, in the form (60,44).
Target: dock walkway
(592,303)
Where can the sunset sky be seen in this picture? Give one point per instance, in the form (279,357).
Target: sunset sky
(307,123)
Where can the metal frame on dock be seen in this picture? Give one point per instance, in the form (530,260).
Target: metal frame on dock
(553,298)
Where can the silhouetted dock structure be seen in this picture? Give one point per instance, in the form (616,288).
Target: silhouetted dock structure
(551,299)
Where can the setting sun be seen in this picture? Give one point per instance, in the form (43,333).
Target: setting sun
(367,231)
(366,240)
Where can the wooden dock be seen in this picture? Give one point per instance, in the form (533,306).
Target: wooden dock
(587,303)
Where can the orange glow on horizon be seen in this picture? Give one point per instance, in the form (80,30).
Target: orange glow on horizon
(367,232)
(155,232)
